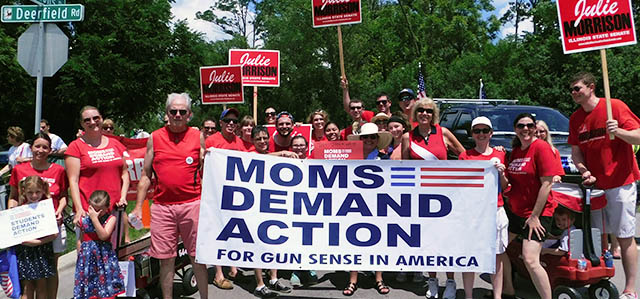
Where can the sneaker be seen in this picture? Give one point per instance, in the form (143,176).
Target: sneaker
(265,293)
(450,290)
(401,277)
(417,277)
(629,296)
(313,278)
(432,288)
(295,280)
(278,286)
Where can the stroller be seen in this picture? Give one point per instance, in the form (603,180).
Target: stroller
(564,272)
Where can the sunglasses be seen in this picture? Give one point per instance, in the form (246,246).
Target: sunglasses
(355,108)
(370,136)
(230,120)
(95,118)
(210,128)
(422,110)
(107,128)
(529,126)
(574,88)
(174,112)
(270,113)
(483,131)
(382,102)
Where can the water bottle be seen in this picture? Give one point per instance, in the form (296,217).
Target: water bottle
(582,264)
(135,221)
(608,259)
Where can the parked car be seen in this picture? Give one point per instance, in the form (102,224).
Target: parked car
(458,117)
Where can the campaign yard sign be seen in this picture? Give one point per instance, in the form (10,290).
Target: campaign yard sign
(263,211)
(27,222)
(336,12)
(587,25)
(221,84)
(259,67)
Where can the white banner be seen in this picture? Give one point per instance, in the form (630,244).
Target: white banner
(27,222)
(261,211)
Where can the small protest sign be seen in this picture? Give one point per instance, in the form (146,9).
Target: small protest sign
(587,25)
(221,84)
(336,12)
(27,222)
(259,67)
(338,150)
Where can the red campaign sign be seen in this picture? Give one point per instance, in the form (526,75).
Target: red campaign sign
(304,130)
(136,148)
(595,24)
(336,12)
(259,67)
(338,150)
(221,84)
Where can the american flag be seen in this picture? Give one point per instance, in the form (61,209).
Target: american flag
(421,87)
(481,94)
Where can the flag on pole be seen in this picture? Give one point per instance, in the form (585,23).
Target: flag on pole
(481,94)
(421,86)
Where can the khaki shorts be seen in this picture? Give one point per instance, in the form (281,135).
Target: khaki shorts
(168,222)
(619,215)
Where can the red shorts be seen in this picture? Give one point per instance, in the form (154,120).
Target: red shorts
(170,221)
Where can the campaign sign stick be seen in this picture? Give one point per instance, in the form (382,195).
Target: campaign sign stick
(587,25)
(338,150)
(335,12)
(221,84)
(27,222)
(259,67)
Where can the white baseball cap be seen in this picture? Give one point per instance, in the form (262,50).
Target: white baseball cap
(481,120)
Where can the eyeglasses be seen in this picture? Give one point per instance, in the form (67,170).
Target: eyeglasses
(422,110)
(209,128)
(230,120)
(529,126)
(574,88)
(382,102)
(95,118)
(355,107)
(108,128)
(174,112)
(270,113)
(299,145)
(261,138)
(483,131)
(369,136)
(541,132)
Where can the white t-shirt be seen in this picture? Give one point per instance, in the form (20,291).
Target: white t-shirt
(562,243)
(23,150)
(56,142)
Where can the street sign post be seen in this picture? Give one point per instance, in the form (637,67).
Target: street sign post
(42,13)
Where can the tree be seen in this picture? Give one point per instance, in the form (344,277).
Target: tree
(234,17)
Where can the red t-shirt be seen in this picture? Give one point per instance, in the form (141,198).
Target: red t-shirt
(524,172)
(612,162)
(218,141)
(273,147)
(247,146)
(346,132)
(367,115)
(176,161)
(55,176)
(472,154)
(100,169)
(436,149)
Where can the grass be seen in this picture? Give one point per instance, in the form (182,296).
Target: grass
(133,233)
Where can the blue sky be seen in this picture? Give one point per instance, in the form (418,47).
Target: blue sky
(186,9)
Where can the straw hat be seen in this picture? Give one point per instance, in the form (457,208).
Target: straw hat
(384,138)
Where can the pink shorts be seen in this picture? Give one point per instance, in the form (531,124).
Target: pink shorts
(170,221)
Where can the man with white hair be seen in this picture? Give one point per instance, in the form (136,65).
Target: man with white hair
(174,153)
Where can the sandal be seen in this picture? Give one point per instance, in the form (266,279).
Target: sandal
(382,288)
(350,289)
(223,284)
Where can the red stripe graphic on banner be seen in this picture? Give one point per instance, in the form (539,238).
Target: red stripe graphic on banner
(452,169)
(453,177)
(451,185)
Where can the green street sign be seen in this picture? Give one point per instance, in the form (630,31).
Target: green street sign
(42,13)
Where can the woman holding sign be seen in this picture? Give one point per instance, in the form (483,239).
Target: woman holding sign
(530,171)
(430,141)
(53,174)
(372,142)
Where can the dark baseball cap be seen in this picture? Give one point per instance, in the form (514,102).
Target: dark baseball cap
(229,110)
(406,95)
